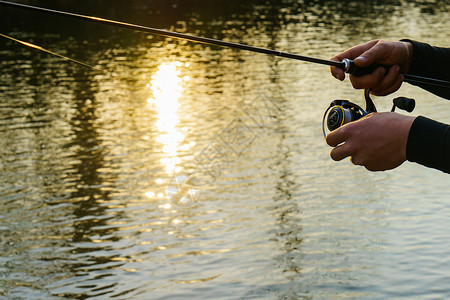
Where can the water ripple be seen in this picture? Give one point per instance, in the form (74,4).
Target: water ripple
(86,171)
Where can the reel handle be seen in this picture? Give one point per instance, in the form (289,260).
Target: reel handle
(351,68)
(404,103)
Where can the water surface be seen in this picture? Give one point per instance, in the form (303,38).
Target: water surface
(176,170)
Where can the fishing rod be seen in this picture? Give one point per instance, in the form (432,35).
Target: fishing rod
(347,65)
(343,65)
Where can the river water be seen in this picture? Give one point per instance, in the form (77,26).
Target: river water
(177,170)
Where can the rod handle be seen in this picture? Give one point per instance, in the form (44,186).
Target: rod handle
(351,68)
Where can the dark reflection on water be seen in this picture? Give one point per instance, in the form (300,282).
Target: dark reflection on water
(87,157)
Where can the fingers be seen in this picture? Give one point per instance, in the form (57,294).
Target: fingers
(341,140)
(368,81)
(389,83)
(340,152)
(379,82)
(351,53)
(356,51)
(377,141)
(378,53)
(341,148)
(336,139)
(338,73)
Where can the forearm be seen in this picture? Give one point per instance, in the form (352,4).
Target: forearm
(433,62)
(429,144)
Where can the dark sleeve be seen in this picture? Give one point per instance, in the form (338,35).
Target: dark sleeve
(429,144)
(433,62)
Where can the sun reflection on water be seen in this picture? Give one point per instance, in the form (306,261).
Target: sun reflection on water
(167,89)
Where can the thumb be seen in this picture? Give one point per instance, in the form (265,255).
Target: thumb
(365,59)
(376,54)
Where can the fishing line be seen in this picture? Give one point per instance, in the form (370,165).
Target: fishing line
(46,51)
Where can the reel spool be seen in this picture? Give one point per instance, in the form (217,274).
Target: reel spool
(341,112)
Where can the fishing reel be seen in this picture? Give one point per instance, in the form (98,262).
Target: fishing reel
(341,112)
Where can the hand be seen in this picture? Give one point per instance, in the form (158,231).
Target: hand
(377,141)
(396,55)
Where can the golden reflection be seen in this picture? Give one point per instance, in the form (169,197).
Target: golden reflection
(150,194)
(196,280)
(167,89)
